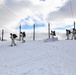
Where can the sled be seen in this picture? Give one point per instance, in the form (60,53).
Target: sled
(51,39)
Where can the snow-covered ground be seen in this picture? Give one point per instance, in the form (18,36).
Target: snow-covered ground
(38,58)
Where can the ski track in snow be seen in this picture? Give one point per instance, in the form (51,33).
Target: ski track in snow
(38,58)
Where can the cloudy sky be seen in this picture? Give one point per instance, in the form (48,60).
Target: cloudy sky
(59,13)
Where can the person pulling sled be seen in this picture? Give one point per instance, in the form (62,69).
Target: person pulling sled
(53,34)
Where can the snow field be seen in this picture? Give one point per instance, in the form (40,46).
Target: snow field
(38,58)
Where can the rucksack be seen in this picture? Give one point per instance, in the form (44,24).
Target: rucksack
(14,36)
(24,34)
(53,33)
(69,31)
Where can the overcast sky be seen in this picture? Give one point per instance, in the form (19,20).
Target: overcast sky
(59,13)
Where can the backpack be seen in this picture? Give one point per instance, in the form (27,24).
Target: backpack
(14,36)
(53,33)
(24,34)
(69,31)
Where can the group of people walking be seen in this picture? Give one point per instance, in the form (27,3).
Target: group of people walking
(14,36)
(23,35)
(71,33)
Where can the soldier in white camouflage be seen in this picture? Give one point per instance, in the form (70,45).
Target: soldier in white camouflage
(73,34)
(13,36)
(68,32)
